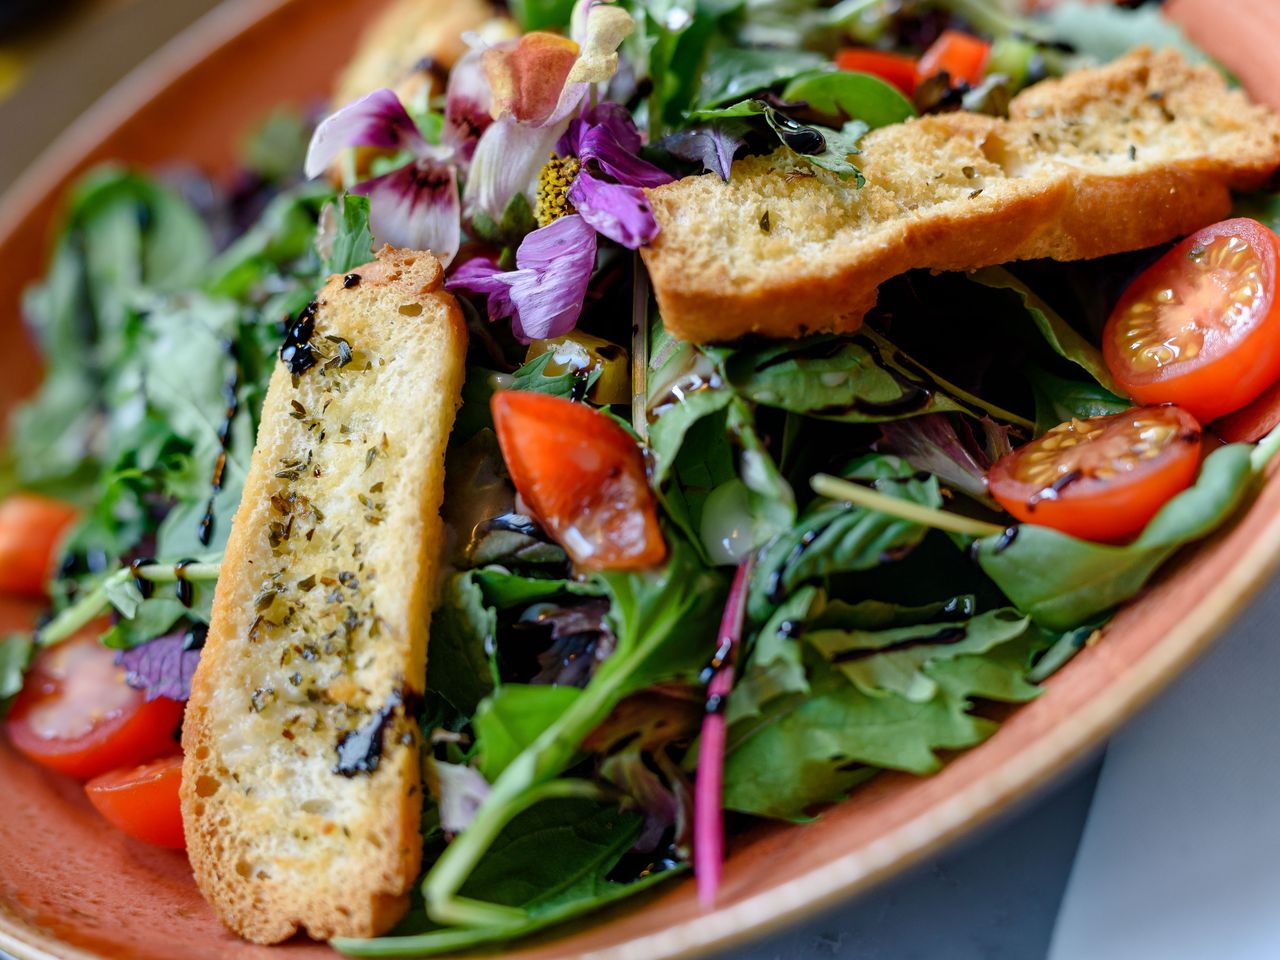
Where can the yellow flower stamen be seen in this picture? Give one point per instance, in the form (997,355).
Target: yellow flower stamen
(553,189)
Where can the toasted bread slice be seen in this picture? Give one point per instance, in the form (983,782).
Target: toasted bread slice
(409,45)
(1104,160)
(301,792)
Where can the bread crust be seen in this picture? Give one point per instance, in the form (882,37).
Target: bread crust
(409,47)
(301,791)
(1116,158)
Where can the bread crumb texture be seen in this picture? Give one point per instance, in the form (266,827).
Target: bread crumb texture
(301,785)
(1103,160)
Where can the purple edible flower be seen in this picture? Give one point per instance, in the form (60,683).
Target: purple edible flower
(607,190)
(162,667)
(543,295)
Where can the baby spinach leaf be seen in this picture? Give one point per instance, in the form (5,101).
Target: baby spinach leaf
(1059,334)
(511,718)
(1261,206)
(855,96)
(1058,400)
(1062,582)
(554,861)
(674,37)
(463,628)
(888,688)
(734,72)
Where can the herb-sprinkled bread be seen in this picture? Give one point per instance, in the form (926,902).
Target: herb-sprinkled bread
(301,789)
(1101,161)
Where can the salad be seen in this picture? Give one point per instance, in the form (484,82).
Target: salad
(685,586)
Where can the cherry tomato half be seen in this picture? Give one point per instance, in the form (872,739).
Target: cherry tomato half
(142,801)
(31,528)
(583,477)
(1201,326)
(1103,478)
(76,714)
(895,68)
(962,55)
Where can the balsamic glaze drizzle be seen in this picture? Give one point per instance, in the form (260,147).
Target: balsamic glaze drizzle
(182,586)
(296,353)
(230,397)
(946,635)
(145,586)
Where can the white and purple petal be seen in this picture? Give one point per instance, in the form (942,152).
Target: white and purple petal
(378,119)
(554,265)
(619,211)
(416,207)
(467,101)
(507,161)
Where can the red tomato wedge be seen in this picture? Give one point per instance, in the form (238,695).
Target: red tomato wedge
(1251,423)
(1103,478)
(142,801)
(31,527)
(583,478)
(1201,326)
(76,715)
(962,55)
(895,68)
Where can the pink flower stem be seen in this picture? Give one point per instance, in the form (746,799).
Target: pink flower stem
(708,799)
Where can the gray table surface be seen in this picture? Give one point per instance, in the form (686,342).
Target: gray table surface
(993,896)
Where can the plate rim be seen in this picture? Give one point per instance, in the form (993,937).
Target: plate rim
(1059,749)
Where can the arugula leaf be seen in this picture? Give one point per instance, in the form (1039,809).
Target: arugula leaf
(840,146)
(836,537)
(895,659)
(283,236)
(532,376)
(353,244)
(735,72)
(122,235)
(463,627)
(1059,334)
(552,862)
(854,96)
(900,690)
(1062,582)
(1058,400)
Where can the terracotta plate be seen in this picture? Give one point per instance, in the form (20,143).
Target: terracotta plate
(70,887)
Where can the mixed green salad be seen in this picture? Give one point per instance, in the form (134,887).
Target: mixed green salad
(834,584)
